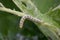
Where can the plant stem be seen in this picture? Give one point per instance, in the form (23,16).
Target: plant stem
(12,11)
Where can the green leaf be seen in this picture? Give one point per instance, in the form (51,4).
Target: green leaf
(45,5)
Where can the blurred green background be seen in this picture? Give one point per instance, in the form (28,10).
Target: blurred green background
(9,23)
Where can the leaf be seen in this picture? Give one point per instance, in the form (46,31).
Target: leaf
(45,5)
(54,14)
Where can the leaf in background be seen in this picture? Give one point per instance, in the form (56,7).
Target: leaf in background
(45,5)
(54,14)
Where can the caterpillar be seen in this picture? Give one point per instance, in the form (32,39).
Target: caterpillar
(32,19)
(29,18)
